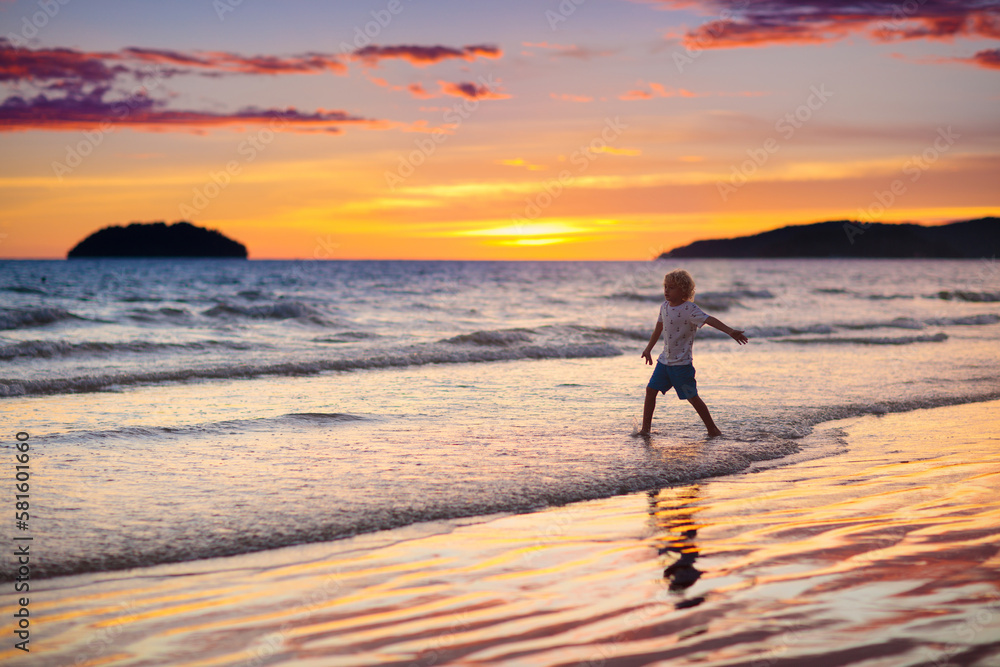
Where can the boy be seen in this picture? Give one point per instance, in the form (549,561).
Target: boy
(674,368)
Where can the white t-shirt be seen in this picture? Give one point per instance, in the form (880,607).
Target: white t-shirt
(679,324)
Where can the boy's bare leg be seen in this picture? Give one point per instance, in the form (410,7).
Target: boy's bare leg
(706,416)
(647,410)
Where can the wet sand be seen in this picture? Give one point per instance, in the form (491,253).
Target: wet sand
(885,551)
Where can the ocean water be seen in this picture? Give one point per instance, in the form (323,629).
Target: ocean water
(183,409)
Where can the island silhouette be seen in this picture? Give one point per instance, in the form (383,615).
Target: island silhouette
(158,239)
(845,238)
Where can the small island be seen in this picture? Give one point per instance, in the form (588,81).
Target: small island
(158,239)
(845,238)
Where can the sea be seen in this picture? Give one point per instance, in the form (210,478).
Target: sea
(185,409)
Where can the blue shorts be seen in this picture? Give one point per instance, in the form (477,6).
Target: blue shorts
(681,378)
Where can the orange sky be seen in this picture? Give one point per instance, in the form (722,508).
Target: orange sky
(618,131)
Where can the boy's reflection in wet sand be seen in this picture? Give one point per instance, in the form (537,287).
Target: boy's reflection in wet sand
(671,511)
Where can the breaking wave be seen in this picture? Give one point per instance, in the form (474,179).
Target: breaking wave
(289,310)
(975,297)
(871,340)
(47,349)
(19,318)
(412,356)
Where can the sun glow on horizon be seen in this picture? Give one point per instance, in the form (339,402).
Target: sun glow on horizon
(519,146)
(526,229)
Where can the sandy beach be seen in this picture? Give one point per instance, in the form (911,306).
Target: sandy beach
(877,545)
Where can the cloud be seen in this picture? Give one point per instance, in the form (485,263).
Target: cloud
(87,112)
(521,162)
(768,22)
(415,90)
(77,89)
(471,91)
(24,64)
(222,62)
(725,35)
(418,91)
(989,58)
(630,152)
(50,64)
(424,55)
(83,68)
(659,90)
(468,90)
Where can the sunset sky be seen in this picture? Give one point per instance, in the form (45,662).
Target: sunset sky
(439,129)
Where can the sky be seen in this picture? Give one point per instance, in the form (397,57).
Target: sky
(544,129)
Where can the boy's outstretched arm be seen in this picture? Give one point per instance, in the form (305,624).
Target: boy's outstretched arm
(736,334)
(657,330)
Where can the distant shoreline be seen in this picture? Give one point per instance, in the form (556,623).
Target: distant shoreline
(846,239)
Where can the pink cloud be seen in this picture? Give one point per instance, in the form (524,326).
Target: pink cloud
(471,91)
(988,58)
(143,113)
(224,62)
(424,55)
(418,91)
(75,88)
(19,64)
(659,90)
(772,22)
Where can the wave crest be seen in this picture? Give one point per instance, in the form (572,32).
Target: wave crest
(284,310)
(494,338)
(20,318)
(975,297)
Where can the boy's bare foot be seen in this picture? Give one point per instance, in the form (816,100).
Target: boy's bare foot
(714,434)
(644,434)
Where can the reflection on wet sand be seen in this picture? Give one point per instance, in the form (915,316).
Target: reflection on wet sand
(884,552)
(672,510)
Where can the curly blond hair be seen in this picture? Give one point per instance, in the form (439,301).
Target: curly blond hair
(682,279)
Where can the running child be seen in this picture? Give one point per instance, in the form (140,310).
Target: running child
(679,319)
